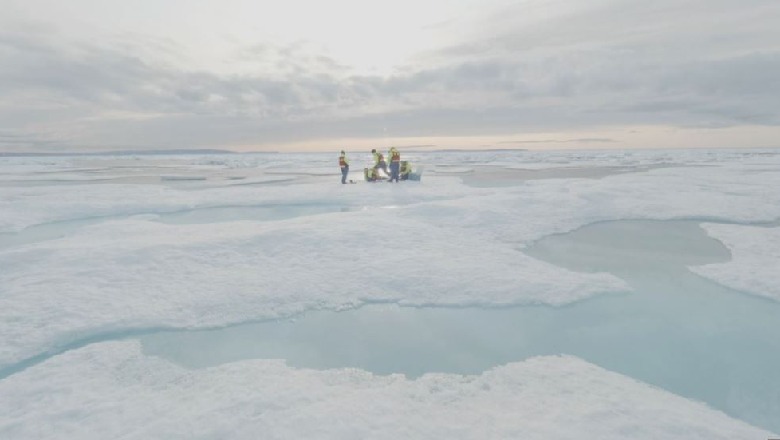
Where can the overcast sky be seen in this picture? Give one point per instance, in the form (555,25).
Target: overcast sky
(305,75)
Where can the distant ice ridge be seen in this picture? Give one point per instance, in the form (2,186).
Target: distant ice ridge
(755,264)
(541,398)
(529,211)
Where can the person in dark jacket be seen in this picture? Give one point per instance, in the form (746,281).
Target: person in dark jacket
(379,162)
(344,164)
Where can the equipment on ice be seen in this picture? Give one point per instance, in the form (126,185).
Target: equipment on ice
(406,173)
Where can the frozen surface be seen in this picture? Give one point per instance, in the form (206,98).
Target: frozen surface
(675,330)
(741,186)
(103,247)
(137,274)
(112,390)
(678,330)
(755,266)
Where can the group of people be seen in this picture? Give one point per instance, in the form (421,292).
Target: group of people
(399,170)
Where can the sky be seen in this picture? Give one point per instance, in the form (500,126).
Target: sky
(301,75)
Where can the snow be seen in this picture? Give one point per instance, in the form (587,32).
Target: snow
(85,260)
(218,273)
(538,208)
(544,397)
(755,263)
(452,170)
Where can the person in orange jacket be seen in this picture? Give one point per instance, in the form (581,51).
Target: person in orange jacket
(395,163)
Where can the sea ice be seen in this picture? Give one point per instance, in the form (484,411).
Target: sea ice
(113,267)
(136,274)
(755,263)
(112,390)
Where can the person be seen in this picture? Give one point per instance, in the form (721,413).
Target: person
(406,169)
(344,164)
(379,162)
(372,175)
(395,163)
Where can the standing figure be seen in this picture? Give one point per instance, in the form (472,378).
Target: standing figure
(379,162)
(395,163)
(344,164)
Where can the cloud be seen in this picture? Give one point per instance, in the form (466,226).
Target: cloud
(561,141)
(539,65)
(10,141)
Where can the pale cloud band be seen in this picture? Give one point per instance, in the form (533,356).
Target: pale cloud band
(536,74)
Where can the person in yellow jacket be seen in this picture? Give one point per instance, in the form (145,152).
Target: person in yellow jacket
(406,169)
(395,163)
(379,162)
(371,175)
(344,164)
